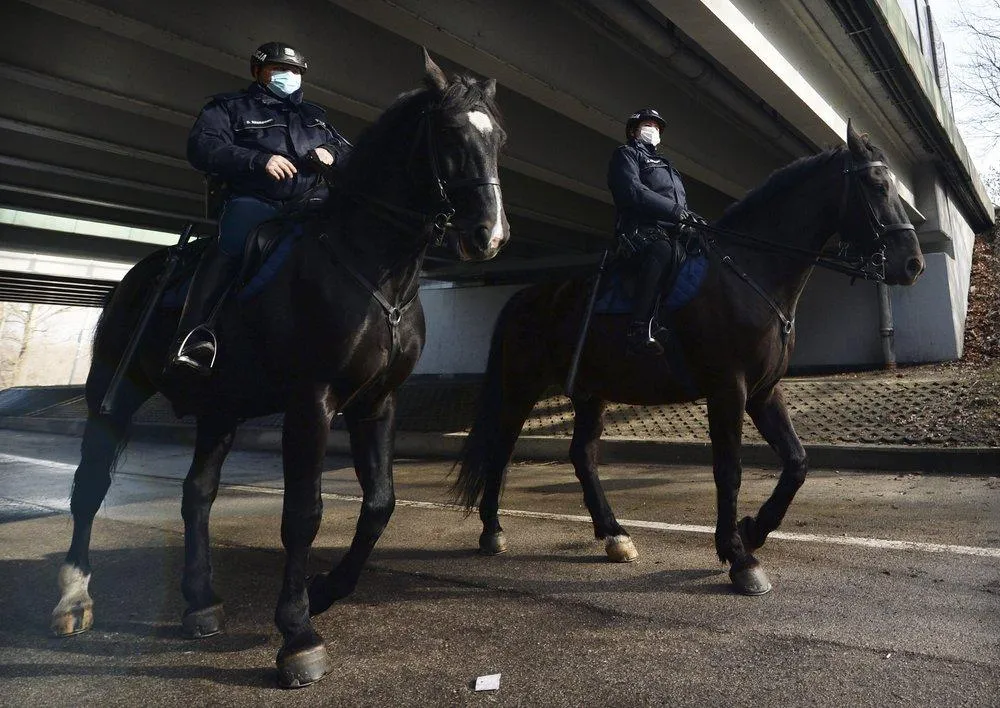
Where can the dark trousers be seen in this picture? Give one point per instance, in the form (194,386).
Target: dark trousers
(656,269)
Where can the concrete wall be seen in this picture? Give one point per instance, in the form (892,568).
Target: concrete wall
(836,323)
(459,326)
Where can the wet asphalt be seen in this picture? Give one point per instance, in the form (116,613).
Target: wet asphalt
(855,624)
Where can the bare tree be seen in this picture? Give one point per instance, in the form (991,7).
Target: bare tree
(977,80)
(19,324)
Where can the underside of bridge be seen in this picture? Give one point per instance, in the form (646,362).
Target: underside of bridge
(100,95)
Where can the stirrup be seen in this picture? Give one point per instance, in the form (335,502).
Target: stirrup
(184,353)
(644,340)
(653,333)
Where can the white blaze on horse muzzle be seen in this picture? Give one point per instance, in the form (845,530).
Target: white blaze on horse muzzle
(500,232)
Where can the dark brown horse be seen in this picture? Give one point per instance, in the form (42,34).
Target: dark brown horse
(339,329)
(736,337)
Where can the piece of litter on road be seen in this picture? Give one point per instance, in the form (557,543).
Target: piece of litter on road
(488,683)
(888,655)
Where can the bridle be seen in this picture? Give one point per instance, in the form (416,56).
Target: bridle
(436,221)
(846,260)
(440,222)
(871,267)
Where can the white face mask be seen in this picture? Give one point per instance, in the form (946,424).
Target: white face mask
(649,134)
(285,83)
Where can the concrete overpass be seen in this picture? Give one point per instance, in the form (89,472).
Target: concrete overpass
(101,94)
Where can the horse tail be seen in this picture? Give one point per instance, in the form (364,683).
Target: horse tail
(515,378)
(479,447)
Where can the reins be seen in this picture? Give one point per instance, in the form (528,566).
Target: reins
(435,222)
(857,266)
(871,267)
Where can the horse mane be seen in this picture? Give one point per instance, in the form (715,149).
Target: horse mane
(462,95)
(774,187)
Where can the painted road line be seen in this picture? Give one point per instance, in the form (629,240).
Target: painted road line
(880,543)
(885,544)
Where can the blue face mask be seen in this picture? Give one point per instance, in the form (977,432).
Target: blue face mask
(285,83)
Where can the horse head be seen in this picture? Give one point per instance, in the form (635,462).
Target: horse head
(872,218)
(463,140)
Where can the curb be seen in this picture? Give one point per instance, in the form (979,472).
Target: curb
(974,461)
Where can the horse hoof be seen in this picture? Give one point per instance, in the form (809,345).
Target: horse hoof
(73,621)
(620,549)
(208,621)
(492,544)
(304,667)
(751,581)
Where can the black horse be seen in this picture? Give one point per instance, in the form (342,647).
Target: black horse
(338,330)
(736,337)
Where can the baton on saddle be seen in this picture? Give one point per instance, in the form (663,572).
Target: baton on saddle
(585,327)
(173,258)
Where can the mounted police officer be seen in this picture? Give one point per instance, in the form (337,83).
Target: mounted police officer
(651,211)
(262,144)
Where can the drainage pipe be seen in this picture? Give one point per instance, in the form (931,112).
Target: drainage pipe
(885,327)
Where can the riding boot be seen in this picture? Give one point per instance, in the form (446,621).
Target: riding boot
(644,334)
(197,347)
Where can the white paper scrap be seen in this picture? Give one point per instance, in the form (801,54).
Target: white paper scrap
(488,683)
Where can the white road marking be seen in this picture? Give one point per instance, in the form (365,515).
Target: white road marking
(6,459)
(880,543)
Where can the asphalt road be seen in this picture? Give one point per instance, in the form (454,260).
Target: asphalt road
(886,591)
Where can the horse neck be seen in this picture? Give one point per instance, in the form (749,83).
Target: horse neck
(803,217)
(389,247)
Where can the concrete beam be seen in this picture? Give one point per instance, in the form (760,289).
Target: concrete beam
(594,82)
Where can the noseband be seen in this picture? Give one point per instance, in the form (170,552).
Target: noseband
(872,265)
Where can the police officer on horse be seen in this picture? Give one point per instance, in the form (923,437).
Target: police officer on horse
(260,146)
(651,212)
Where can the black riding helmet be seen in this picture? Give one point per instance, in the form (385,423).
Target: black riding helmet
(277,53)
(641,115)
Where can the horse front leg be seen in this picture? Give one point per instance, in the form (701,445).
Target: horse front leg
(372,444)
(303,658)
(204,615)
(725,425)
(588,424)
(770,415)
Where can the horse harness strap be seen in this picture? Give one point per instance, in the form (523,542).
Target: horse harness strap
(787,324)
(394,313)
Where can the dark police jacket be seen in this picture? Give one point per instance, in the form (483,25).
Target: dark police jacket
(236,134)
(647,189)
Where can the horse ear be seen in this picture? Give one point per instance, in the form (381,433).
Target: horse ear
(433,76)
(855,143)
(490,89)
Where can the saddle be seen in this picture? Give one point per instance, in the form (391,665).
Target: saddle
(616,294)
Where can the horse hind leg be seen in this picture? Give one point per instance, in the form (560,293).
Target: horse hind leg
(104,438)
(588,424)
(515,406)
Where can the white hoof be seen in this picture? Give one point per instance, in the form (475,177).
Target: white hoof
(75,611)
(620,549)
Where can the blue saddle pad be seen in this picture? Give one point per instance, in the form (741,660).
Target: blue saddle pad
(174,297)
(614,298)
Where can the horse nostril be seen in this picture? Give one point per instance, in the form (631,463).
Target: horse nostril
(483,234)
(915,266)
